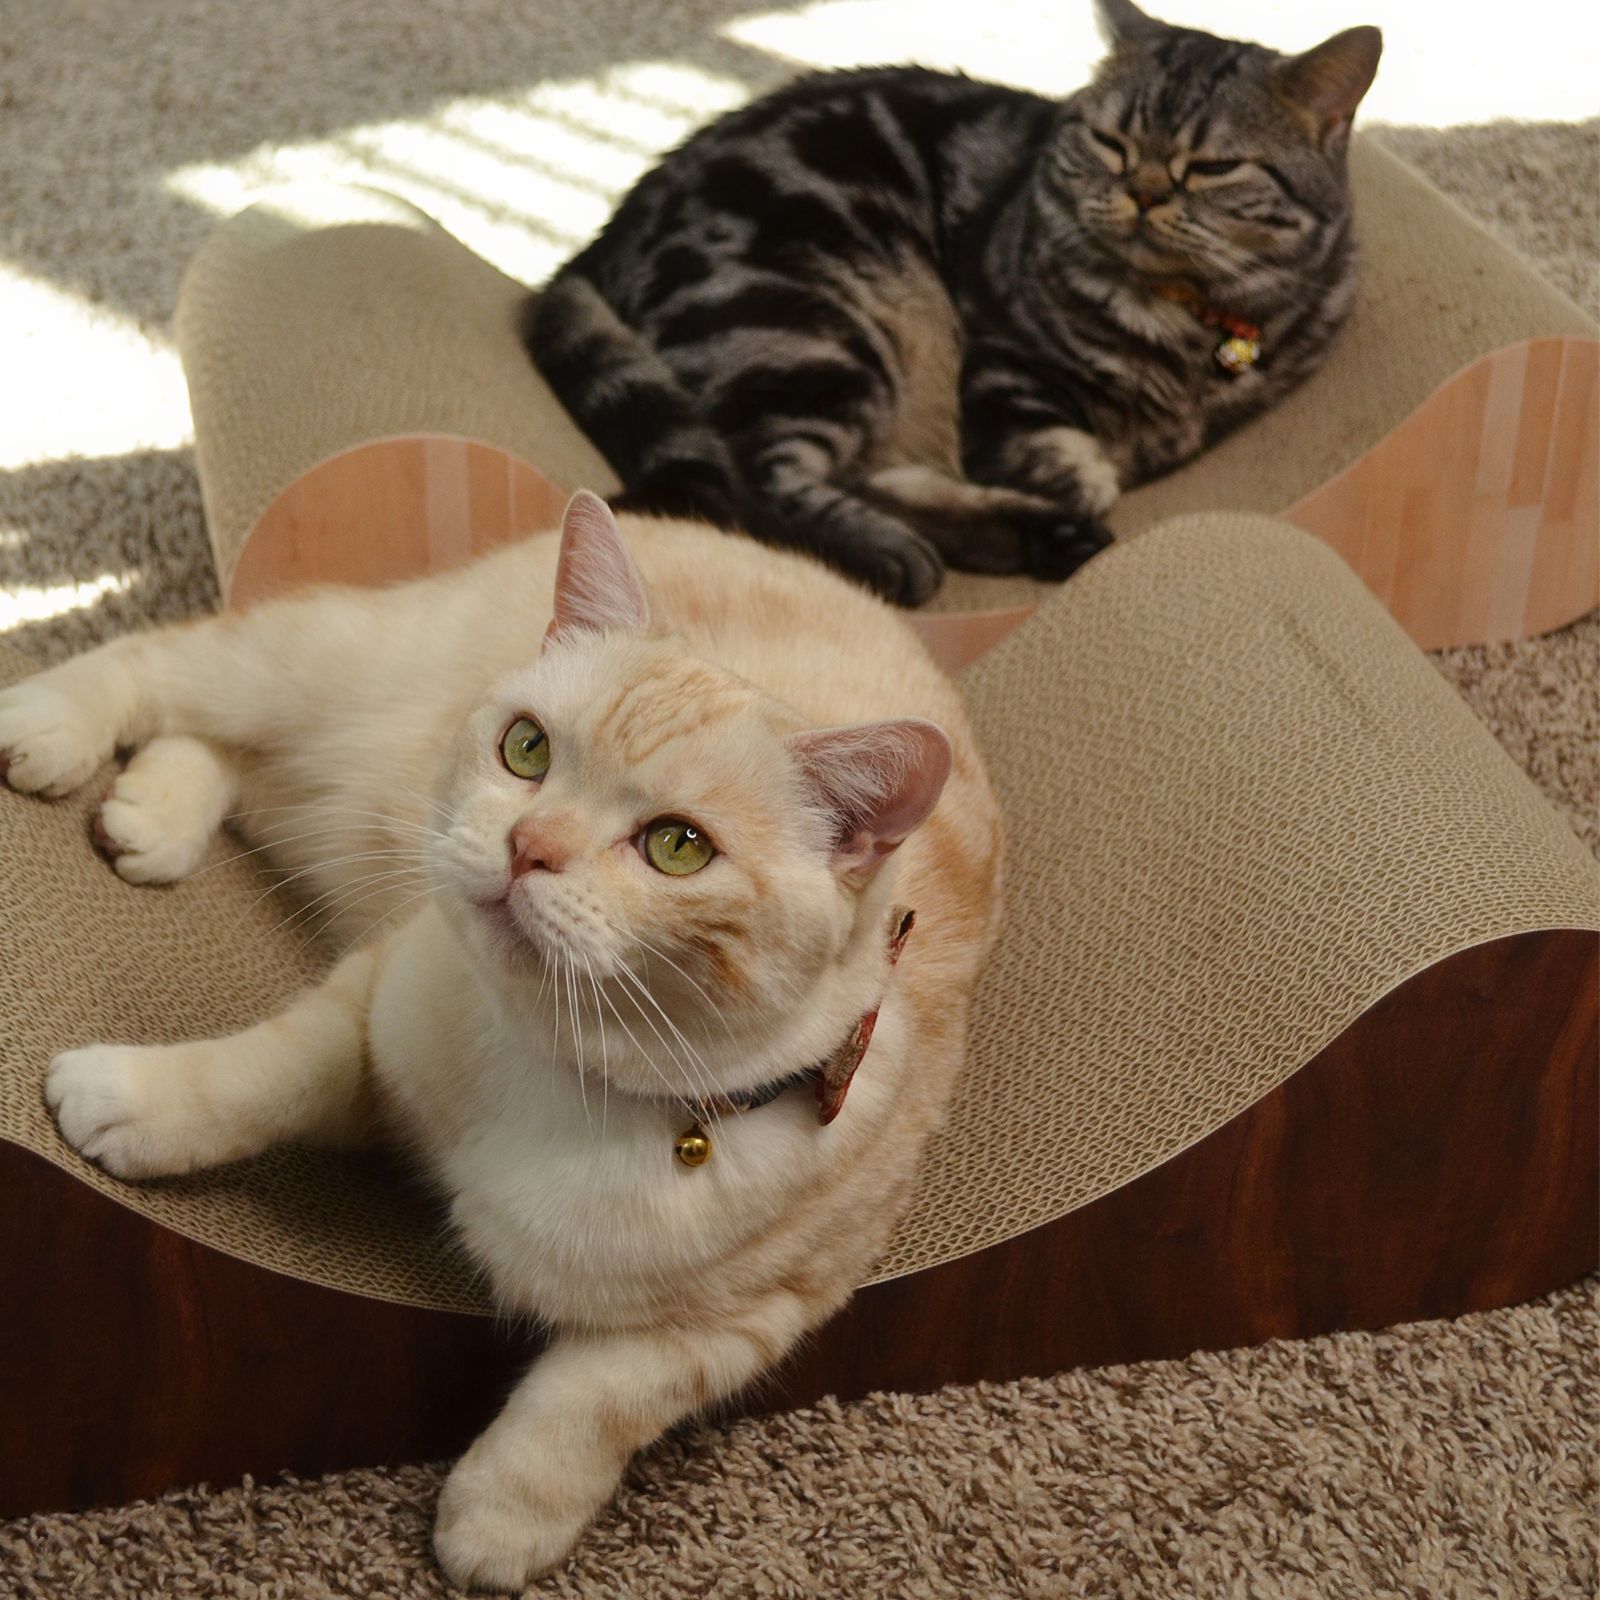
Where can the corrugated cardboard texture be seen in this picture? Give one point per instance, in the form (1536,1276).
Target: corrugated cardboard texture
(1243,807)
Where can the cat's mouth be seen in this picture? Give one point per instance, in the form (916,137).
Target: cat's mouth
(528,929)
(1149,250)
(497,912)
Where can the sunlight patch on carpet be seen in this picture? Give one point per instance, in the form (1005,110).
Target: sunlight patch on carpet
(81,379)
(523,177)
(40,602)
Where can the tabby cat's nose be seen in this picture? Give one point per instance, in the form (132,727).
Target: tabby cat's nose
(1149,186)
(537,847)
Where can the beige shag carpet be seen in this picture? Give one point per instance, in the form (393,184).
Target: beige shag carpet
(1440,1461)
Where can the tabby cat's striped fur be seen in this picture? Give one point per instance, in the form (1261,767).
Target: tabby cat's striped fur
(901,318)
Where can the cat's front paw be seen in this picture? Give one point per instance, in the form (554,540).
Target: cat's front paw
(907,570)
(489,1533)
(51,742)
(1055,545)
(109,1103)
(160,816)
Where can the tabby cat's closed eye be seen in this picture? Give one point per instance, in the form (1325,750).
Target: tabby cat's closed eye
(1113,146)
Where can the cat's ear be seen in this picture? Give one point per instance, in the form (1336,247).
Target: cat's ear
(1324,86)
(598,588)
(876,781)
(1122,22)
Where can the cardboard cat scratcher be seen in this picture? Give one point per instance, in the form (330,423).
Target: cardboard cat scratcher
(1292,1026)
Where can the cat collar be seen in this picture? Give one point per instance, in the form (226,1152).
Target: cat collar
(1240,350)
(830,1078)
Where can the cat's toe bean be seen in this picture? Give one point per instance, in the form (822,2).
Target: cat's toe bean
(488,1537)
(48,745)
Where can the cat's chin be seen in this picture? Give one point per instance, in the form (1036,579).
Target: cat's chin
(507,932)
(523,939)
(1154,260)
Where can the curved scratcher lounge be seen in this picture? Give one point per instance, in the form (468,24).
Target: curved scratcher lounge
(1291,1027)
(1463,490)
(1287,895)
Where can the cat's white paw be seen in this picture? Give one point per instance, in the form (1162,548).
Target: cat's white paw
(51,742)
(109,1104)
(489,1536)
(160,816)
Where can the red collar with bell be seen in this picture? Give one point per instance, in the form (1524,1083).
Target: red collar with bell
(830,1077)
(1240,349)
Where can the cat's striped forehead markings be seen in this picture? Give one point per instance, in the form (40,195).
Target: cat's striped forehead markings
(676,698)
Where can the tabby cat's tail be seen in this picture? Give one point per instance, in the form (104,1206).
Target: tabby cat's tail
(621,393)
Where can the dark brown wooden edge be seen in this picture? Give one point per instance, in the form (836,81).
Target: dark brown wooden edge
(1441,1156)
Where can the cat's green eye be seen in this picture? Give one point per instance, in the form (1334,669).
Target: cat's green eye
(676,847)
(525,749)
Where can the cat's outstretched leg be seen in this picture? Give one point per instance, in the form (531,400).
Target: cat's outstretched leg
(181,698)
(517,1501)
(794,501)
(981,528)
(630,403)
(165,807)
(146,1111)
(59,727)
(1015,436)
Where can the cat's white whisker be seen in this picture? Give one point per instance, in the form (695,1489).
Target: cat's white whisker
(691,1063)
(656,950)
(385,819)
(366,934)
(341,898)
(554,970)
(450,817)
(279,844)
(677,1095)
(577,1031)
(282,883)
(605,1050)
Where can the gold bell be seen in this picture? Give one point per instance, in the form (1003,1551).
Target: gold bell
(1238,353)
(693,1146)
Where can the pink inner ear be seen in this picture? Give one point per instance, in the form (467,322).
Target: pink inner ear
(598,587)
(880,780)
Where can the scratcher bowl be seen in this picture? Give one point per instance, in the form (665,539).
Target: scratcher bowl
(1291,1027)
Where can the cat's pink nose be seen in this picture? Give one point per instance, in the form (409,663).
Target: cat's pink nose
(1149,185)
(538,846)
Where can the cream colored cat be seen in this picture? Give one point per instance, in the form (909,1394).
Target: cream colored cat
(598,882)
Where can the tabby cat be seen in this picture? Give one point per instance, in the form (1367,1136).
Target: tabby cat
(901,318)
(616,898)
